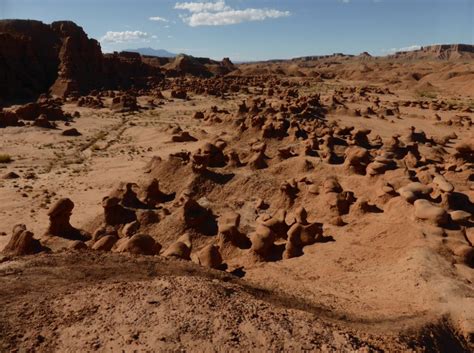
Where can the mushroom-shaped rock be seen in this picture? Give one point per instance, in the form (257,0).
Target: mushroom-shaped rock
(393,146)
(183,136)
(359,137)
(460,216)
(381,164)
(426,211)
(277,224)
(130,229)
(147,217)
(300,235)
(103,231)
(465,254)
(59,226)
(193,214)
(331,185)
(289,189)
(262,241)
(214,152)
(140,244)
(257,161)
(129,197)
(285,153)
(233,159)
(362,206)
(340,202)
(356,159)
(78,245)
(153,195)
(42,121)
(180,249)
(105,243)
(465,151)
(414,191)
(210,257)
(228,225)
(385,191)
(443,185)
(115,214)
(22,242)
(229,222)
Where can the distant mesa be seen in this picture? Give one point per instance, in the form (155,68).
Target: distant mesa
(439,51)
(430,52)
(162,53)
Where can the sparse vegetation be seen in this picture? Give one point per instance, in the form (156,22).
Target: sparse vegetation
(5,158)
(427,94)
(100,136)
(471,104)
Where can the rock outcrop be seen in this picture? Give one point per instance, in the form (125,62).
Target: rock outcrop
(59,58)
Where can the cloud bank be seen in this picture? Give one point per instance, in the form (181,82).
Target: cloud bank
(202,6)
(125,36)
(409,48)
(219,14)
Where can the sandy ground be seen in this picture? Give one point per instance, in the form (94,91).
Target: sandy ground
(382,284)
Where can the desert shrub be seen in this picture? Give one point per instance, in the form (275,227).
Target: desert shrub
(5,158)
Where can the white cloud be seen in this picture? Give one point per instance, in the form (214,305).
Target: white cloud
(232,17)
(218,14)
(202,6)
(409,48)
(158,18)
(125,36)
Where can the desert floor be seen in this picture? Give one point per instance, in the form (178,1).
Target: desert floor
(381,283)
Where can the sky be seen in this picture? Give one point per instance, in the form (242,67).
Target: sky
(246,30)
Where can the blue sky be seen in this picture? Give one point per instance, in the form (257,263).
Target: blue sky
(259,29)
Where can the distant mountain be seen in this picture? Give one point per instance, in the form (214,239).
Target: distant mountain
(153,52)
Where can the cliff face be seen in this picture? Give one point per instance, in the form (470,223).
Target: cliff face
(80,60)
(28,58)
(37,58)
(60,59)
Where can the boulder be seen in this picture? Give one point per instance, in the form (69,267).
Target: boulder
(105,243)
(209,256)
(140,244)
(22,242)
(414,191)
(180,249)
(426,211)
